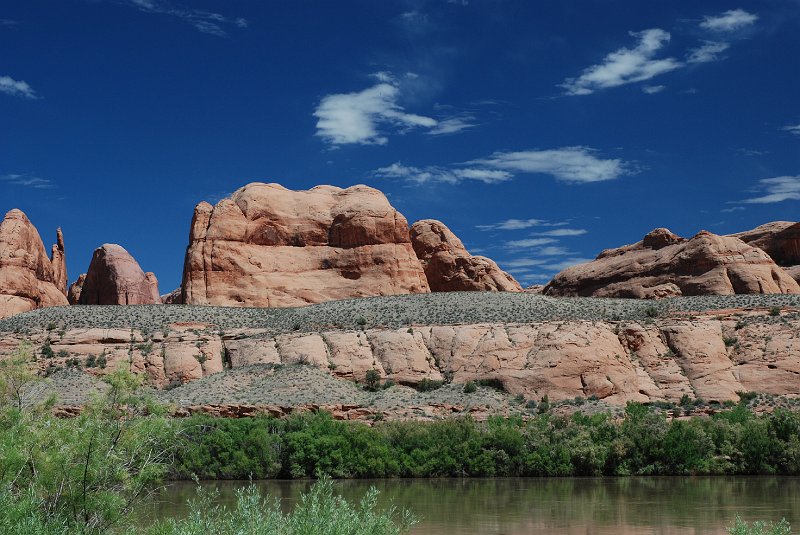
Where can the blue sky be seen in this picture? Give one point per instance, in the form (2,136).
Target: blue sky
(539,132)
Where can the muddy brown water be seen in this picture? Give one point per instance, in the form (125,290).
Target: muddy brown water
(596,506)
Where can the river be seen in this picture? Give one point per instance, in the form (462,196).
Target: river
(621,506)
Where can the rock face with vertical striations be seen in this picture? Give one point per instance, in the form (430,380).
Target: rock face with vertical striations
(448,265)
(666,265)
(270,246)
(28,279)
(115,278)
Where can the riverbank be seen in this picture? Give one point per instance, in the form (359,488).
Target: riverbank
(645,441)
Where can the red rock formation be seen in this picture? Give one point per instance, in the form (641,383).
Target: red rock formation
(27,277)
(74,292)
(59,262)
(448,265)
(665,265)
(269,246)
(115,278)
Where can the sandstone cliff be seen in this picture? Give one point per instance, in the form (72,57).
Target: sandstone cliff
(706,355)
(448,265)
(665,265)
(115,278)
(269,246)
(28,278)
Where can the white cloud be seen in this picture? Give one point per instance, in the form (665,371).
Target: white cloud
(777,189)
(626,65)
(554,250)
(792,129)
(345,118)
(563,232)
(734,19)
(440,174)
(204,21)
(708,51)
(27,181)
(734,209)
(16,88)
(520,224)
(529,242)
(653,89)
(452,125)
(570,164)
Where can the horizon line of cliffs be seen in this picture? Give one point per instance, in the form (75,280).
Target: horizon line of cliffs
(267,246)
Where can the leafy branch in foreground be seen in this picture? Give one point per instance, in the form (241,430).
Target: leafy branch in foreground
(79,475)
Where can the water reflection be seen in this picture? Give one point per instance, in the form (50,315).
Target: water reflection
(668,505)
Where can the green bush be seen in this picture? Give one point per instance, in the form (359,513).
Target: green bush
(470,387)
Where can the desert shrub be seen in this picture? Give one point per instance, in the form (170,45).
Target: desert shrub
(428,385)
(747,397)
(470,387)
(372,380)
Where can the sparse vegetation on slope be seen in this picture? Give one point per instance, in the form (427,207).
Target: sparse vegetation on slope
(391,311)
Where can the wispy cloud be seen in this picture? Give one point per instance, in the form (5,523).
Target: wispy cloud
(203,21)
(562,232)
(27,181)
(569,164)
(529,242)
(561,265)
(441,174)
(708,51)
(732,20)
(733,209)
(452,125)
(16,88)
(547,267)
(8,22)
(520,224)
(777,189)
(626,65)
(792,129)
(653,89)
